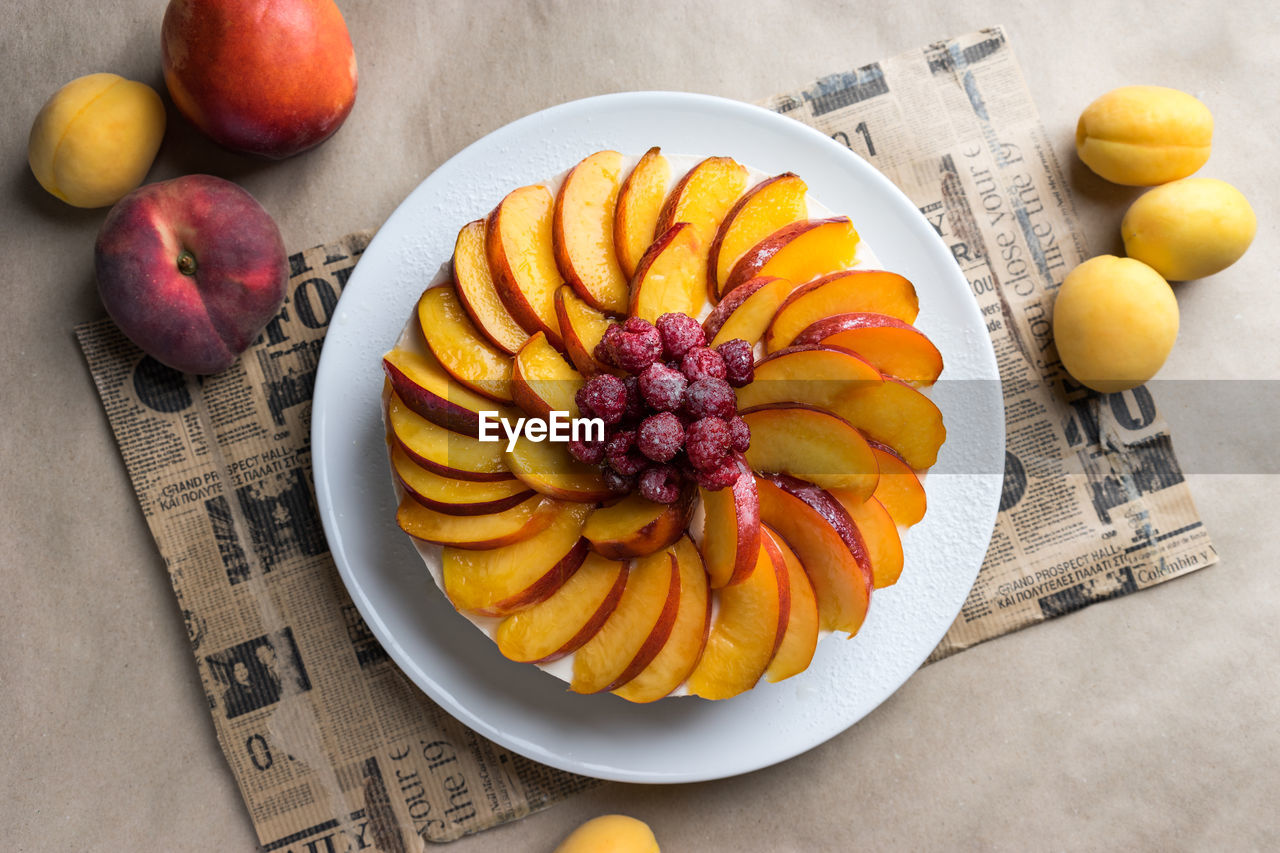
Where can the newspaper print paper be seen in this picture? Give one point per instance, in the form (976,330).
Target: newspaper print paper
(333,748)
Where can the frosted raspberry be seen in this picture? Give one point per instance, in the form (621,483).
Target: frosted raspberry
(702,361)
(623,455)
(637,346)
(739,361)
(604,397)
(662,387)
(604,350)
(590,452)
(661,484)
(707,443)
(710,397)
(618,483)
(680,333)
(660,436)
(739,435)
(722,476)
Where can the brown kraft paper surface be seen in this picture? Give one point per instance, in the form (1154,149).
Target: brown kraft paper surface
(334,749)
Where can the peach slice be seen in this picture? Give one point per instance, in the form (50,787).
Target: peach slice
(823,537)
(582,328)
(519,245)
(456,497)
(899,489)
(635,221)
(746,311)
(503,580)
(795,652)
(425,387)
(667,277)
(887,410)
(582,231)
(731,529)
(461,350)
(799,252)
(895,348)
(637,629)
(748,629)
(476,532)
(851,291)
(879,535)
(680,653)
(825,504)
(560,624)
(547,467)
(702,198)
(813,445)
(449,454)
(542,381)
(479,294)
(766,208)
(635,525)
(813,375)
(898,415)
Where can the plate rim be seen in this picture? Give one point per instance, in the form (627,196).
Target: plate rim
(439,694)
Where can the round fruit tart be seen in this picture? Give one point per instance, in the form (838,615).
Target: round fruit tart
(658,426)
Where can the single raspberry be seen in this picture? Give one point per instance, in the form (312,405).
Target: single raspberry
(660,436)
(603,396)
(720,477)
(661,484)
(739,361)
(638,346)
(707,443)
(636,408)
(618,483)
(638,326)
(590,452)
(680,333)
(663,388)
(623,455)
(702,361)
(710,397)
(739,435)
(604,350)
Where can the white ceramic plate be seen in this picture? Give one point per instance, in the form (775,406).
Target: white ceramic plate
(674,740)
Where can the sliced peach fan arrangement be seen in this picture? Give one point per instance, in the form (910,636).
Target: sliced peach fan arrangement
(763,396)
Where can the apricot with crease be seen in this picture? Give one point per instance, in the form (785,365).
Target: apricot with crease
(95,138)
(1140,136)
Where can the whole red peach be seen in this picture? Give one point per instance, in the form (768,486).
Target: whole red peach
(191,270)
(269,77)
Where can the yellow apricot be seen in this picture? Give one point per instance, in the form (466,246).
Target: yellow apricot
(611,833)
(1189,228)
(95,139)
(1140,136)
(1114,321)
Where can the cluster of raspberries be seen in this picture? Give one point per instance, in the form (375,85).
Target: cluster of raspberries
(674,418)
